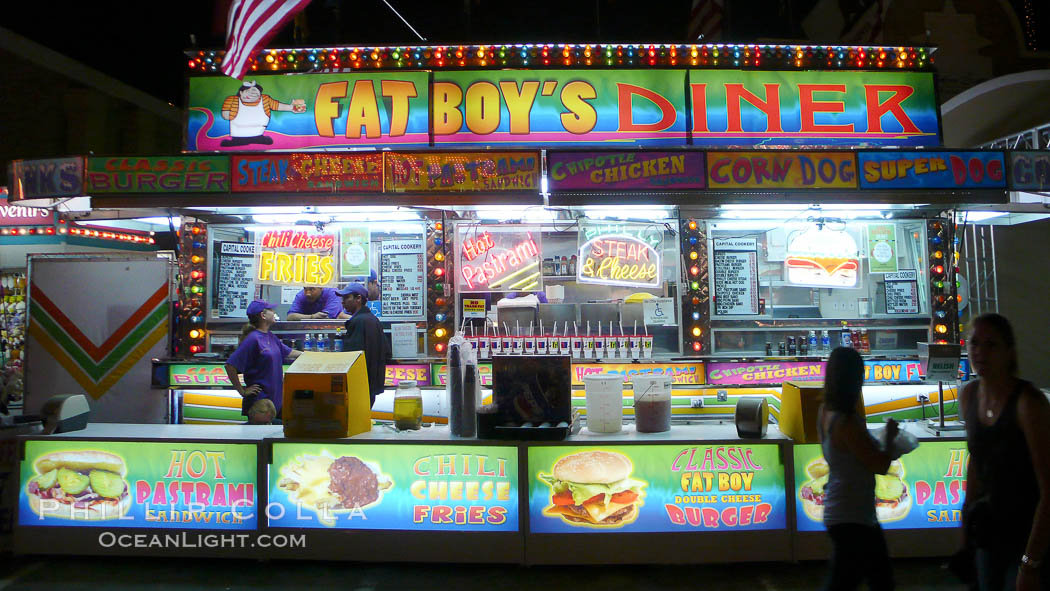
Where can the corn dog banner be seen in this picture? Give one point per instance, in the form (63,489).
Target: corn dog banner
(655,488)
(394,487)
(155,485)
(923,489)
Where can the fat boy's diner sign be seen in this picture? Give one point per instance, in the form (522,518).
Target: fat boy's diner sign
(713,108)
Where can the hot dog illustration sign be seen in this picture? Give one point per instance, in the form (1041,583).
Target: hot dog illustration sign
(655,488)
(141,484)
(409,487)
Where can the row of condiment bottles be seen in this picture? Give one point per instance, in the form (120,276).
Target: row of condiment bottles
(556,266)
(854,337)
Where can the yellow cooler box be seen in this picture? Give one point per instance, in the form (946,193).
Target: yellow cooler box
(799,405)
(326,396)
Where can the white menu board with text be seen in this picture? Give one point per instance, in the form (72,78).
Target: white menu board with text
(234,279)
(902,292)
(402,277)
(736,277)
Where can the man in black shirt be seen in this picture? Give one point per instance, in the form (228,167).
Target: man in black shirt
(365,333)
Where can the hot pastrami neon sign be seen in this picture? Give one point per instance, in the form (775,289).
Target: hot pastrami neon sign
(619,260)
(499,259)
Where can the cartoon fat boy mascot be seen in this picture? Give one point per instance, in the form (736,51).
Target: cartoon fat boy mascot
(249,113)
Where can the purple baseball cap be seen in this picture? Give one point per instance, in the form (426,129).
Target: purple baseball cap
(355,288)
(257,306)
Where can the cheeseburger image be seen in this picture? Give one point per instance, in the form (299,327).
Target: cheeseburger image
(84,485)
(892,501)
(594,488)
(822,258)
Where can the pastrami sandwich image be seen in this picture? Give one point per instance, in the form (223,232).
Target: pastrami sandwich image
(892,501)
(83,485)
(822,258)
(594,488)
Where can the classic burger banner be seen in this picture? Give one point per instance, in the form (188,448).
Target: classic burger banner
(417,487)
(141,484)
(922,489)
(655,488)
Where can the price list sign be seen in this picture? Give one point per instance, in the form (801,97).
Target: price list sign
(902,292)
(402,266)
(234,283)
(736,276)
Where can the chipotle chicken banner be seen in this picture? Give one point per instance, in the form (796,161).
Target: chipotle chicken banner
(156,485)
(394,486)
(656,488)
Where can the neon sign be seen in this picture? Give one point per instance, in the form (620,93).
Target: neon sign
(499,259)
(822,258)
(292,256)
(619,260)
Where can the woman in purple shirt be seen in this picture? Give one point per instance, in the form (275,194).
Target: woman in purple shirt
(260,357)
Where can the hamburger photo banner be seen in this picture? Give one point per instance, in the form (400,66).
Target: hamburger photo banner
(155,485)
(656,488)
(417,487)
(922,489)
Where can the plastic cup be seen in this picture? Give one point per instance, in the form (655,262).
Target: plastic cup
(647,346)
(508,346)
(517,345)
(542,345)
(577,347)
(530,345)
(496,345)
(483,347)
(621,347)
(604,403)
(652,403)
(636,346)
(596,345)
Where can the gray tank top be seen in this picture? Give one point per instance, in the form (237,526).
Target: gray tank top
(850,492)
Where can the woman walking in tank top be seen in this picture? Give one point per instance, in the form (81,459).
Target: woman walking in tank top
(853,457)
(1007,504)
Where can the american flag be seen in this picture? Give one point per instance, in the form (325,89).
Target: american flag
(250,25)
(706,20)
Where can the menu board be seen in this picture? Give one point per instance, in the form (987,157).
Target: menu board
(922,490)
(663,488)
(736,276)
(902,292)
(402,269)
(234,279)
(394,487)
(151,485)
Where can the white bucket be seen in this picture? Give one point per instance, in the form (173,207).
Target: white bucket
(604,403)
(652,402)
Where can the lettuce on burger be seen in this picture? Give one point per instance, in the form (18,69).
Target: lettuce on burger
(892,501)
(83,485)
(594,488)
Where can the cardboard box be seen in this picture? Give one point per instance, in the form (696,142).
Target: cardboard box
(799,405)
(326,396)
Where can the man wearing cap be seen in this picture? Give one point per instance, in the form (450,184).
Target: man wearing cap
(260,357)
(316,303)
(364,333)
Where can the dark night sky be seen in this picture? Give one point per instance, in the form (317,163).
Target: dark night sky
(142,43)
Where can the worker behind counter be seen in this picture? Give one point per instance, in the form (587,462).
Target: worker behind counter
(317,303)
(364,333)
